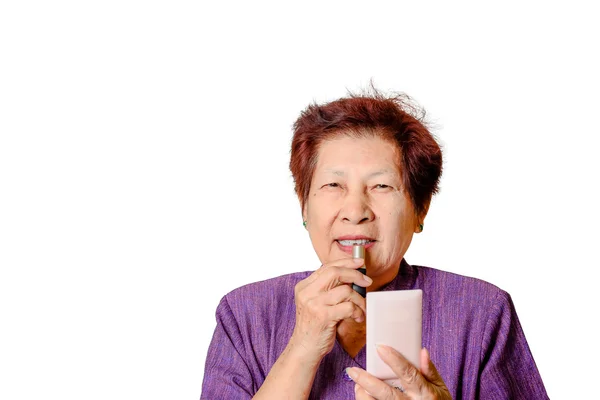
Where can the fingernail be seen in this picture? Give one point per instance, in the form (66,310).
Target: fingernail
(346,376)
(382,348)
(351,373)
(358,261)
(369,280)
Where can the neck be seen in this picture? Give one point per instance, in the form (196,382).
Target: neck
(386,277)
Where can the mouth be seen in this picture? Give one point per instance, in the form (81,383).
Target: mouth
(345,243)
(362,242)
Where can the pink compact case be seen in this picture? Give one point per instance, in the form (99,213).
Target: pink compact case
(394,319)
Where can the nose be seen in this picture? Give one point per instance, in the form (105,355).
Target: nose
(356,209)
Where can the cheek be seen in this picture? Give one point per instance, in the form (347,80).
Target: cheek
(397,222)
(396,211)
(321,215)
(403,212)
(322,209)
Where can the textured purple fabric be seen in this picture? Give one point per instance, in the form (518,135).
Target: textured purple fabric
(470,328)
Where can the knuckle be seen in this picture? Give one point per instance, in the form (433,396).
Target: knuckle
(322,316)
(319,312)
(391,393)
(410,374)
(325,268)
(331,272)
(425,390)
(346,290)
(300,298)
(348,308)
(300,286)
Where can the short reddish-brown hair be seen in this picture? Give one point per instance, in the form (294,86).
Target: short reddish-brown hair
(395,118)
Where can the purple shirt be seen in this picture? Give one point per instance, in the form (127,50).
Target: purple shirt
(470,328)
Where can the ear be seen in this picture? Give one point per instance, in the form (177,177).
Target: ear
(421,216)
(302,208)
(425,210)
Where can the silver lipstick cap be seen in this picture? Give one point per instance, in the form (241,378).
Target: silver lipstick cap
(358,251)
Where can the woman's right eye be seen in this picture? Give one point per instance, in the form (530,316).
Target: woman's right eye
(332,185)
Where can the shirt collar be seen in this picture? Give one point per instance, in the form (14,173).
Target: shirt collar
(404,279)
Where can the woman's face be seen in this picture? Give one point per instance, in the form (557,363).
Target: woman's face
(356,193)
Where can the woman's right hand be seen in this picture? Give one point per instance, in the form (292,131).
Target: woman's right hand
(323,300)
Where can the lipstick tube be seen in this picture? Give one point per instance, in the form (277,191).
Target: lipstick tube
(358,251)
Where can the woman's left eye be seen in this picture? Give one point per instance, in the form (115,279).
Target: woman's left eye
(382,186)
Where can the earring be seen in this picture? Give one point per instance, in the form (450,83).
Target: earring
(420,228)
(304,223)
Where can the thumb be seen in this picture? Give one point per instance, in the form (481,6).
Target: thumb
(428,370)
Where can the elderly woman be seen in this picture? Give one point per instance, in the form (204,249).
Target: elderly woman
(365,170)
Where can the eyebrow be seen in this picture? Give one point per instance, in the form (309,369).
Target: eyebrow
(371,175)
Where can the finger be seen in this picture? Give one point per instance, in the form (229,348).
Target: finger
(431,373)
(309,279)
(345,293)
(343,311)
(361,394)
(351,263)
(345,303)
(429,370)
(373,386)
(331,276)
(335,276)
(413,382)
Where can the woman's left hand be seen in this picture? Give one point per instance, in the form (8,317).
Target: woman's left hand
(424,384)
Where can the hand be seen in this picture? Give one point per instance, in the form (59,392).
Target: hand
(323,300)
(424,384)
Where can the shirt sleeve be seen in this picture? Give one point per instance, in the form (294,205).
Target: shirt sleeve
(226,374)
(508,370)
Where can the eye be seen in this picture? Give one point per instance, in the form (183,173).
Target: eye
(332,187)
(382,186)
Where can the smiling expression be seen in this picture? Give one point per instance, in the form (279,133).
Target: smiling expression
(356,193)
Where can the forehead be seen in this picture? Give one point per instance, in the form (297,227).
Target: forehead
(368,152)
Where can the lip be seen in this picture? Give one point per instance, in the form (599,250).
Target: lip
(348,249)
(354,237)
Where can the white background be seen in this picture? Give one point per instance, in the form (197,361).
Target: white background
(144,151)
